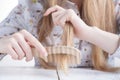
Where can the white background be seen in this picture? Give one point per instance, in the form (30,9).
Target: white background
(5,7)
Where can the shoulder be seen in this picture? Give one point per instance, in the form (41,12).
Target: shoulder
(31,4)
(32,9)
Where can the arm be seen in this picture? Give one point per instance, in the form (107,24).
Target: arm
(109,42)
(105,40)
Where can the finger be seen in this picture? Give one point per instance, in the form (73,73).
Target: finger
(55,16)
(12,53)
(31,46)
(52,9)
(33,41)
(17,48)
(63,19)
(24,45)
(58,18)
(57,13)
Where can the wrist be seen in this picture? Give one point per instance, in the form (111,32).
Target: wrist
(86,33)
(80,27)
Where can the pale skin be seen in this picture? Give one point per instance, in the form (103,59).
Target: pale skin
(19,44)
(105,40)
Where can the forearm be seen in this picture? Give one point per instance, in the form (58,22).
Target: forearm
(105,40)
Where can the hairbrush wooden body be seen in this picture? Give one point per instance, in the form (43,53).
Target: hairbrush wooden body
(64,55)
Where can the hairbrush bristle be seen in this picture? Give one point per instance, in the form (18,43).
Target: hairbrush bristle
(64,55)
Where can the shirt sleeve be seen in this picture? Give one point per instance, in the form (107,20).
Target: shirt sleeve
(11,23)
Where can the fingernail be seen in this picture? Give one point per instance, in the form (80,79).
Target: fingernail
(27,60)
(44,14)
(44,53)
(15,57)
(20,59)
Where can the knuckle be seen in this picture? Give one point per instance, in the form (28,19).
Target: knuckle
(22,55)
(29,54)
(9,47)
(53,15)
(59,7)
(62,23)
(56,6)
(23,31)
(70,11)
(16,35)
(12,40)
(14,56)
(29,58)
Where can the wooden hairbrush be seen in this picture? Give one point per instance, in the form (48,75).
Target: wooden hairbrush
(64,55)
(61,56)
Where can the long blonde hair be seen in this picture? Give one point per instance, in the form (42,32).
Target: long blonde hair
(99,13)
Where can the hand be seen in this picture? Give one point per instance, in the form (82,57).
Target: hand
(106,41)
(60,16)
(19,45)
